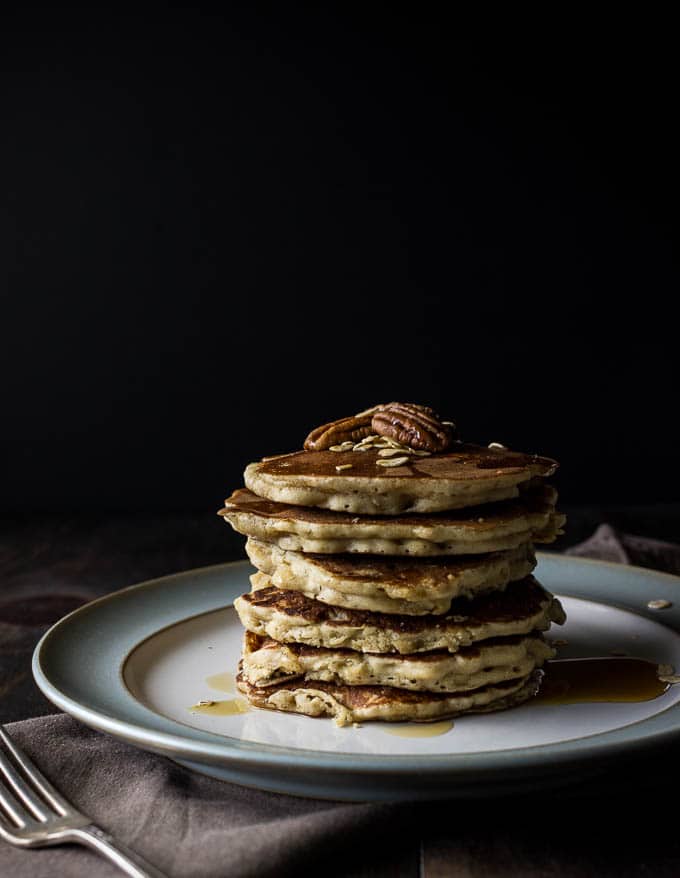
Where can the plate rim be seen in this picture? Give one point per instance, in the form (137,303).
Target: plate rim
(224,750)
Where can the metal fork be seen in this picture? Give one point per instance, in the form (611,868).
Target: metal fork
(34,814)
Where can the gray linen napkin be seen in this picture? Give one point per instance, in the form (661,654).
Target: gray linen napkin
(610,544)
(184,823)
(190,825)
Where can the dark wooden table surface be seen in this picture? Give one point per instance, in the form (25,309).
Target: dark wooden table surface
(620,825)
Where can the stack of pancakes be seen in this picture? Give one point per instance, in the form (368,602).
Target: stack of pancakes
(394,572)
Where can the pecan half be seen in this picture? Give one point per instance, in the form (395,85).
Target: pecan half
(350,429)
(414,425)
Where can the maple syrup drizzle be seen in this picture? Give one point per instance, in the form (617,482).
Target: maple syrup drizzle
(615,679)
(421,730)
(221,708)
(224,682)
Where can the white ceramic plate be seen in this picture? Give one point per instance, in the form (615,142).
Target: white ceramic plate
(134,663)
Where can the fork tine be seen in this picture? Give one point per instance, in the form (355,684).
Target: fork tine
(36,777)
(22,792)
(10,812)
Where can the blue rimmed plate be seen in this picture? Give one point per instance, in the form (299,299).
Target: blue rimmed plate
(134,663)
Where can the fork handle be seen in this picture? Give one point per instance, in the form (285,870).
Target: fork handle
(128,861)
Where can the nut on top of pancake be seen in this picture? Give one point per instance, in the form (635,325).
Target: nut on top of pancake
(410,425)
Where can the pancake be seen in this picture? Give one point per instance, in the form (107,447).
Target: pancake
(355,481)
(402,585)
(291,617)
(349,704)
(504,525)
(267,662)
(394,568)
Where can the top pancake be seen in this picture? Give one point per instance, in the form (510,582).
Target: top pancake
(356,482)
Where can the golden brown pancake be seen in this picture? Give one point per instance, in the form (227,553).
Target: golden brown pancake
(390,585)
(358,482)
(348,704)
(394,571)
(267,662)
(291,617)
(500,526)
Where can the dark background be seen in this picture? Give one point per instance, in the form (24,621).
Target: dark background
(220,230)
